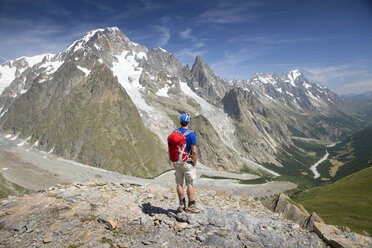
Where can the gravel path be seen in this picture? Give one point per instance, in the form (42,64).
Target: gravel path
(26,166)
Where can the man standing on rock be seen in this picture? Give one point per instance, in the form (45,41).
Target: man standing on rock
(185,167)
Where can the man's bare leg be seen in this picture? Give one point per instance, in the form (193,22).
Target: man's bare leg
(180,191)
(190,193)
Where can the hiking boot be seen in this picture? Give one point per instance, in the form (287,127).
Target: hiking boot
(182,206)
(180,209)
(192,209)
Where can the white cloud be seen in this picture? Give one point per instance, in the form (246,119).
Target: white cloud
(233,64)
(164,35)
(101,5)
(187,34)
(230,12)
(36,37)
(356,87)
(186,55)
(329,73)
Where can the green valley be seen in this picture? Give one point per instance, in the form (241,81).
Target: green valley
(347,202)
(351,155)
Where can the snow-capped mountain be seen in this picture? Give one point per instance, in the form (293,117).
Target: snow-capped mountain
(109,102)
(291,89)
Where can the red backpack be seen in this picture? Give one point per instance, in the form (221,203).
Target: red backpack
(177,146)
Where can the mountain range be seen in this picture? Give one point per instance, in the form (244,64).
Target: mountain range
(360,104)
(109,102)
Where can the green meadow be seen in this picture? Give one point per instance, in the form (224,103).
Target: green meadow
(347,202)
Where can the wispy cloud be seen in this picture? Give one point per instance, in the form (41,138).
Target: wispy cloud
(328,73)
(186,34)
(234,62)
(363,83)
(36,36)
(196,47)
(274,39)
(153,5)
(164,35)
(103,6)
(230,12)
(356,87)
(343,79)
(186,54)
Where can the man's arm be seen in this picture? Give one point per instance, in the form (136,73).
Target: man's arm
(194,155)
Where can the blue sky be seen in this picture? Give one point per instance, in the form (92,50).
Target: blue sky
(329,40)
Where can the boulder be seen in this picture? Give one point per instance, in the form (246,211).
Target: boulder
(309,223)
(285,206)
(334,237)
(110,222)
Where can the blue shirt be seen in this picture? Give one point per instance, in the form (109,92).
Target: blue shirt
(190,139)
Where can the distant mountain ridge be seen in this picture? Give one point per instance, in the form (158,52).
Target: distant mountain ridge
(360,104)
(99,99)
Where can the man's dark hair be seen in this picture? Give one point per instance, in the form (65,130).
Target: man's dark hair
(184,123)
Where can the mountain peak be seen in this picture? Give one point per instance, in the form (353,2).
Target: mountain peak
(76,45)
(113,29)
(110,33)
(198,60)
(199,64)
(295,73)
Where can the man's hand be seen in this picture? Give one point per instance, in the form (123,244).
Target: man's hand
(194,155)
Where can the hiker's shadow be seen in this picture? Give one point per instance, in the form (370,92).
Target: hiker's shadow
(147,208)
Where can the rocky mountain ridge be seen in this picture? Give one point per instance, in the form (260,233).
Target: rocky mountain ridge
(160,88)
(129,215)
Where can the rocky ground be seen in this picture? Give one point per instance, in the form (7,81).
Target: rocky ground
(111,215)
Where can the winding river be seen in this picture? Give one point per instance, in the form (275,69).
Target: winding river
(313,167)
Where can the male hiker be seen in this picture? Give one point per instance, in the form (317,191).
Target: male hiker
(183,156)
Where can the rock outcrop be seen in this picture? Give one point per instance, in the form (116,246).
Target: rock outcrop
(205,82)
(330,234)
(107,215)
(284,205)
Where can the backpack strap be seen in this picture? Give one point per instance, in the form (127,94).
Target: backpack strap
(184,134)
(187,133)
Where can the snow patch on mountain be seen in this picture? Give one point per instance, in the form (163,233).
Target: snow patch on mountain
(267,79)
(216,116)
(7,75)
(75,46)
(97,47)
(141,55)
(279,90)
(113,29)
(292,76)
(85,70)
(307,86)
(3,113)
(128,72)
(289,93)
(163,91)
(52,66)
(37,59)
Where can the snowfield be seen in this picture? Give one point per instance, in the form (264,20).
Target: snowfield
(128,73)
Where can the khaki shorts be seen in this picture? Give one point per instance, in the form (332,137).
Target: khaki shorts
(185,171)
